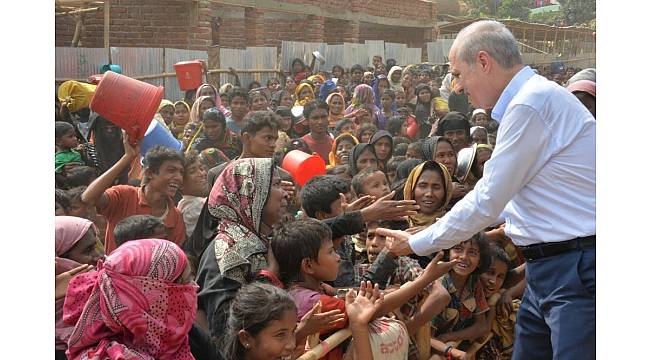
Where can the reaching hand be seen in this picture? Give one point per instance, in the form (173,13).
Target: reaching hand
(288,187)
(386,209)
(362,308)
(62,280)
(436,268)
(131,146)
(397,241)
(314,321)
(358,204)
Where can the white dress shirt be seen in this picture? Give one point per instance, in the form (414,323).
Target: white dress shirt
(541,178)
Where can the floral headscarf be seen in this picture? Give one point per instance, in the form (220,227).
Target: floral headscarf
(237,200)
(68,230)
(131,307)
(409,192)
(216,98)
(307,99)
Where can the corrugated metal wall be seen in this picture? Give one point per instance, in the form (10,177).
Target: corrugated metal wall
(172,56)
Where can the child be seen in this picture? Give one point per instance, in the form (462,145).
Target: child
(138,227)
(371,182)
(344,126)
(397,126)
(414,150)
(195,190)
(365,132)
(391,167)
(400,98)
(263,323)
(306,257)
(180,119)
(387,101)
(80,176)
(459,313)
(77,207)
(501,319)
(400,149)
(65,139)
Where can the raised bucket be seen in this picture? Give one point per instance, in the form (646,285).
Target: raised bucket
(189,74)
(158,135)
(303,166)
(128,103)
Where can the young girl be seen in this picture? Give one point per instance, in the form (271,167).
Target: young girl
(306,257)
(180,119)
(430,185)
(365,132)
(362,156)
(383,144)
(371,182)
(387,102)
(459,313)
(344,126)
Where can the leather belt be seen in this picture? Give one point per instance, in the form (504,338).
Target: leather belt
(539,251)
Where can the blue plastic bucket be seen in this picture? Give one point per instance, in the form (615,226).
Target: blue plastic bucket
(157,134)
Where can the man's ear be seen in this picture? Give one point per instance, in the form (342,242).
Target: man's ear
(320,215)
(485,61)
(246,137)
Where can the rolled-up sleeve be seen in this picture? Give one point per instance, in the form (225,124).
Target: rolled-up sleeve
(516,160)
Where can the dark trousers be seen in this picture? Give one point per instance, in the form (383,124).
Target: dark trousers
(557,316)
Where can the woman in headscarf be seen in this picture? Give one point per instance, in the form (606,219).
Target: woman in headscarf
(248,201)
(430,185)
(74,245)
(180,119)
(478,135)
(440,149)
(216,134)
(139,304)
(362,156)
(304,94)
(585,91)
(211,90)
(201,104)
(382,141)
(363,96)
(340,154)
(336,104)
(166,111)
(401,174)
(423,109)
(395,78)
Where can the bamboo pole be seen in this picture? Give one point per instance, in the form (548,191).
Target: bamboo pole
(75,12)
(107,23)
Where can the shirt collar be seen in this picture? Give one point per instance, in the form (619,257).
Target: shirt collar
(510,91)
(170,221)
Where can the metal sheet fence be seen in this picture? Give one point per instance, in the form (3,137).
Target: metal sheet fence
(249,58)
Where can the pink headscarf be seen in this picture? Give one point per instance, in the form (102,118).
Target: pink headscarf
(68,230)
(587,86)
(131,308)
(363,95)
(217,98)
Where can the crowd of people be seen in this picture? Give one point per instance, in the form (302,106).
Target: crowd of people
(215,252)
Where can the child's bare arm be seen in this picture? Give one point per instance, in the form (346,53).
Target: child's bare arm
(479,328)
(433,271)
(433,305)
(94,194)
(441,347)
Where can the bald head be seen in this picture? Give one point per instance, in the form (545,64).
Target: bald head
(490,36)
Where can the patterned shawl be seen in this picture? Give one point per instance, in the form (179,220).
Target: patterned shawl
(195,116)
(131,308)
(68,230)
(216,98)
(409,192)
(237,199)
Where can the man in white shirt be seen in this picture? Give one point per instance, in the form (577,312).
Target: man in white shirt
(541,180)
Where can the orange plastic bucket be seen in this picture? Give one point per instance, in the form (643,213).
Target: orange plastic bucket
(189,74)
(128,103)
(303,166)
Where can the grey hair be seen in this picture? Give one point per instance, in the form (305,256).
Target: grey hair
(492,37)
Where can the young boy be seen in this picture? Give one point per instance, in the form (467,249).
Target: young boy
(139,227)
(238,100)
(163,176)
(319,141)
(195,190)
(65,139)
(371,182)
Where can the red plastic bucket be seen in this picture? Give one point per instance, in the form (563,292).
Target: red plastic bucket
(303,166)
(128,103)
(189,74)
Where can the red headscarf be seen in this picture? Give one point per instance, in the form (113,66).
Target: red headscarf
(131,308)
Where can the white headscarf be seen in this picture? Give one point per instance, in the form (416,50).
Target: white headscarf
(395,85)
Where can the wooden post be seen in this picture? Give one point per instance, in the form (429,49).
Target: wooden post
(214,61)
(555,43)
(545,43)
(107,21)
